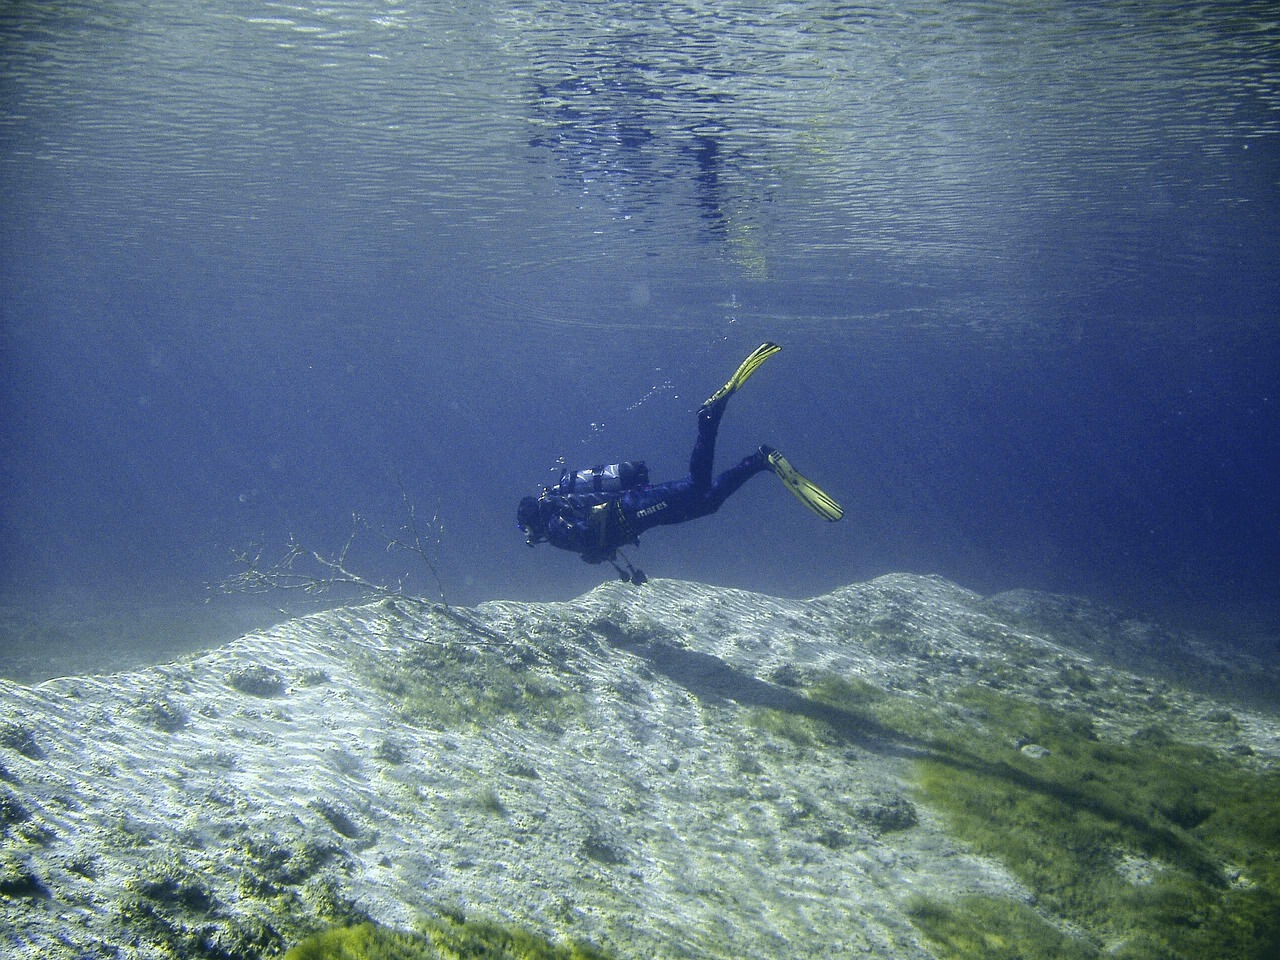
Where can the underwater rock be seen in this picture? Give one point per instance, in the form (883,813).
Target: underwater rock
(680,770)
(257,680)
(602,850)
(18,879)
(448,937)
(171,883)
(11,810)
(161,713)
(833,838)
(1034,751)
(889,814)
(312,677)
(340,819)
(390,751)
(1117,638)
(17,736)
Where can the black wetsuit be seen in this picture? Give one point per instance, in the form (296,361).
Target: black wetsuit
(595,525)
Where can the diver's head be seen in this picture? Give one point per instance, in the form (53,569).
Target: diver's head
(529,519)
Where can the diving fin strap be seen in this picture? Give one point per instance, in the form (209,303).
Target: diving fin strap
(745,369)
(807,492)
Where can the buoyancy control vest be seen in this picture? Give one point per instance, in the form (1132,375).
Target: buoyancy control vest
(614,478)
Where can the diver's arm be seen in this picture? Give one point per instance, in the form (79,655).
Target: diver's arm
(570,528)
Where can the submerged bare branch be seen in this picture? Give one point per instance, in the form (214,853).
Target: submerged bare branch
(309,572)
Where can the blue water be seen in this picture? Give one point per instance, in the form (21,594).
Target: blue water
(259,260)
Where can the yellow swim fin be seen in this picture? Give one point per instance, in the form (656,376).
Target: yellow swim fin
(745,369)
(806,491)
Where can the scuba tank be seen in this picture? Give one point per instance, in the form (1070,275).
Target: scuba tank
(615,478)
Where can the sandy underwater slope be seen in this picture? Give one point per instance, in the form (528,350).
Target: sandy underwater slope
(671,771)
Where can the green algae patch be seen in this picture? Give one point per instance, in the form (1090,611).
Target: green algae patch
(1150,849)
(448,685)
(804,732)
(992,928)
(438,940)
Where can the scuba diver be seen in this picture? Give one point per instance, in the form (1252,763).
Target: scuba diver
(595,512)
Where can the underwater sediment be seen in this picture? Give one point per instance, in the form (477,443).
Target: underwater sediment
(898,769)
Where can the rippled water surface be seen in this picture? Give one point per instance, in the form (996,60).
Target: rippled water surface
(959,137)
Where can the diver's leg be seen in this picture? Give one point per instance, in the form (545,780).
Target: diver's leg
(713,409)
(711,412)
(704,449)
(727,484)
(682,500)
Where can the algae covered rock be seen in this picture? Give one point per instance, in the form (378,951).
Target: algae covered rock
(887,814)
(20,738)
(11,810)
(440,940)
(678,771)
(162,713)
(257,680)
(18,878)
